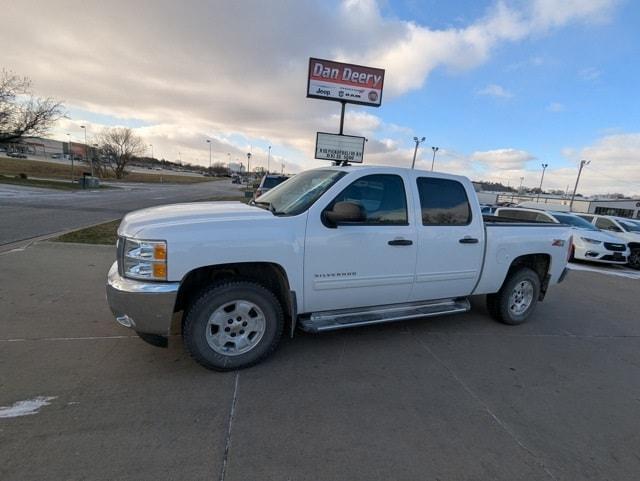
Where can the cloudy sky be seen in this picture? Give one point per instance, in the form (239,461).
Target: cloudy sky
(498,86)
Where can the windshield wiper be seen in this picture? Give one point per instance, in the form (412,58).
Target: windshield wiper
(267,205)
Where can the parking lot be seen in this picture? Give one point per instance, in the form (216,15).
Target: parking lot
(451,398)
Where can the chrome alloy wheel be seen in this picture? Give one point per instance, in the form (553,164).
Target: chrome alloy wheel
(235,327)
(521,297)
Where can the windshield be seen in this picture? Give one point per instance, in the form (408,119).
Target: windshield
(298,193)
(629,225)
(575,221)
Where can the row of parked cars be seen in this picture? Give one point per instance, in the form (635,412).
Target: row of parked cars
(596,238)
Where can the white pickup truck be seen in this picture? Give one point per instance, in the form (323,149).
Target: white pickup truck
(329,248)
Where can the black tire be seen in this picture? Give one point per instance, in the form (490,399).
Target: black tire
(498,304)
(634,259)
(197,316)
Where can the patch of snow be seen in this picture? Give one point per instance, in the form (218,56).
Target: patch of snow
(25,408)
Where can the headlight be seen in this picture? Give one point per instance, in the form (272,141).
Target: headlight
(142,259)
(591,241)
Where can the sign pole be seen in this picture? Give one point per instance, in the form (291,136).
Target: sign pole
(344,162)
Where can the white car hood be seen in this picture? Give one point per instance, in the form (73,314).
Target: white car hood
(189,213)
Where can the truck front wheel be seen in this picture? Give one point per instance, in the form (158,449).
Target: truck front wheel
(232,325)
(517,298)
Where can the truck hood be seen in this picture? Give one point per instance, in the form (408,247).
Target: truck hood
(188,213)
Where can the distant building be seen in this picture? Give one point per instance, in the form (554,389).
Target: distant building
(236,167)
(46,148)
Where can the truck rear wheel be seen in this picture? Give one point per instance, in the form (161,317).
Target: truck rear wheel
(516,299)
(232,325)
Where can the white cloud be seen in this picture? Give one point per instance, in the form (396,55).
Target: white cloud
(494,90)
(553,13)
(229,70)
(614,167)
(590,74)
(503,159)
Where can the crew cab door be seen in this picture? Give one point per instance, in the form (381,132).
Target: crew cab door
(363,264)
(450,238)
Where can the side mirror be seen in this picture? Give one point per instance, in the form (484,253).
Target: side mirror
(345,213)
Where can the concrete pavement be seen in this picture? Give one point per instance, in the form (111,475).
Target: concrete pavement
(451,398)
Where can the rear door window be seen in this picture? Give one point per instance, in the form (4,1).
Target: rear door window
(443,202)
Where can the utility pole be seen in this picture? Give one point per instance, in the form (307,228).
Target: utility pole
(269,159)
(544,167)
(209,142)
(151,145)
(415,151)
(575,188)
(433,160)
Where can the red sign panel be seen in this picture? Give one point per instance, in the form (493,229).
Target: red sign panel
(344,82)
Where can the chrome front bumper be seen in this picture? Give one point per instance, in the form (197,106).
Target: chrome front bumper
(146,307)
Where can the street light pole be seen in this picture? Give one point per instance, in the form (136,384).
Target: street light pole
(70,156)
(209,142)
(544,167)
(151,145)
(575,188)
(415,151)
(248,166)
(86,148)
(433,160)
(269,160)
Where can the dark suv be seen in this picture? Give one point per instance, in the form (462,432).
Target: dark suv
(268,182)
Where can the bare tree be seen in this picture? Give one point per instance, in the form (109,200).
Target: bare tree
(118,146)
(218,168)
(21,113)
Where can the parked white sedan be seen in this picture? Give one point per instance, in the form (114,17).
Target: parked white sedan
(626,230)
(589,242)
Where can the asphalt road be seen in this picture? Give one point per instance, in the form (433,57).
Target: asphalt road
(26,213)
(452,398)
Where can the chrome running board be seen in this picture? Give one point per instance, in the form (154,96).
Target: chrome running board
(343,318)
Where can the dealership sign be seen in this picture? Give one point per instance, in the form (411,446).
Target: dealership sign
(339,148)
(345,82)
